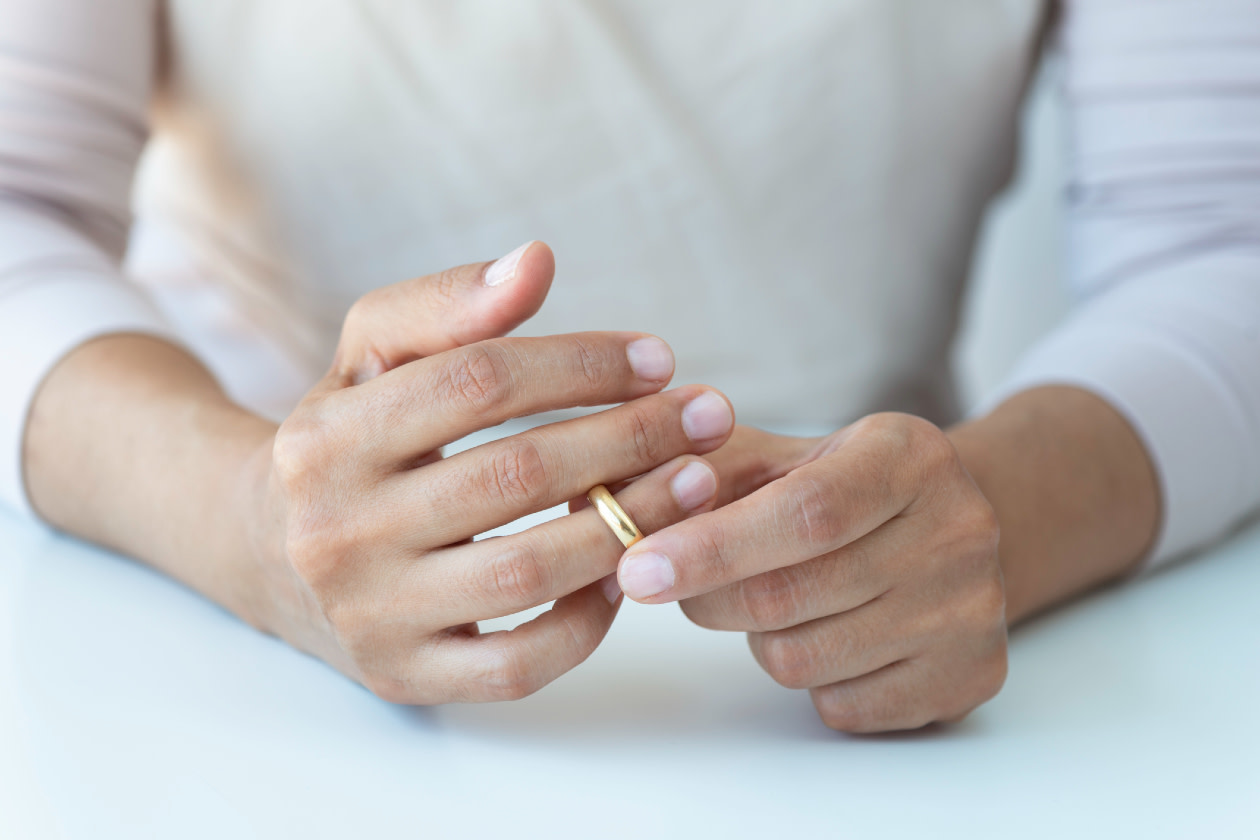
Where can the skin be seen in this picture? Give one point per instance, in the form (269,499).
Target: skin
(866,566)
(343,530)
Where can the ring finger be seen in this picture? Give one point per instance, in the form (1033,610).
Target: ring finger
(504,575)
(499,482)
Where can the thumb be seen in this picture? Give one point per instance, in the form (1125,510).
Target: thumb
(397,324)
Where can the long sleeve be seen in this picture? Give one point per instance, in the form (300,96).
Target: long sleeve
(1164,220)
(75,81)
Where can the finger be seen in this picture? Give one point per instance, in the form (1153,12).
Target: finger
(499,482)
(884,701)
(752,458)
(837,647)
(504,575)
(748,461)
(464,666)
(811,511)
(833,583)
(945,682)
(432,402)
(396,324)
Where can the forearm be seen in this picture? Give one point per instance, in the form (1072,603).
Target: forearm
(133,445)
(1075,493)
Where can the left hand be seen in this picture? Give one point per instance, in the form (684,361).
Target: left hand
(863,567)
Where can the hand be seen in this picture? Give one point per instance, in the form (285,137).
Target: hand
(863,567)
(366,550)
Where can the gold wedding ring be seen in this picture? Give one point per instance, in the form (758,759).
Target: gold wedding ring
(615,515)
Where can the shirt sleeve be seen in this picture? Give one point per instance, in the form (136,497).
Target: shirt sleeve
(1164,220)
(75,82)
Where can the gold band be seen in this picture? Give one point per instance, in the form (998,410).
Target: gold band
(615,515)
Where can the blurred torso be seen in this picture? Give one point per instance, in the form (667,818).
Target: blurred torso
(786,191)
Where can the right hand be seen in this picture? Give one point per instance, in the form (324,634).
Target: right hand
(365,544)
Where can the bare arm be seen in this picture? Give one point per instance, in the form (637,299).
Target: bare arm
(133,445)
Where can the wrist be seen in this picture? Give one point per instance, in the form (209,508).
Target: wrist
(133,445)
(251,546)
(1074,491)
(210,498)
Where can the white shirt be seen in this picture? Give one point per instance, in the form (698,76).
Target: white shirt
(786,191)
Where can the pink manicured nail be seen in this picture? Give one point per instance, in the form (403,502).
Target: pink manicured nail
(610,588)
(706,417)
(647,574)
(650,359)
(504,268)
(694,485)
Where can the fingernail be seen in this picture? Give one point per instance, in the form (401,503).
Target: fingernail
(647,574)
(694,485)
(504,269)
(610,588)
(650,359)
(706,417)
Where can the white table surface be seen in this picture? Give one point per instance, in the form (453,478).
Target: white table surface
(132,708)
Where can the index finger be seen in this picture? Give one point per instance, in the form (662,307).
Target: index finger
(815,509)
(439,399)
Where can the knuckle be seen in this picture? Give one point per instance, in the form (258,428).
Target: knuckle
(350,623)
(517,472)
(849,712)
(518,578)
(968,539)
(813,519)
(888,425)
(968,535)
(990,602)
(360,314)
(355,627)
(591,365)
(507,678)
(583,637)
(838,712)
(389,687)
(999,670)
(316,549)
(994,676)
(981,690)
(304,444)
(916,715)
(844,718)
(290,455)
(981,598)
(309,557)
(323,543)
(443,289)
(933,449)
(713,567)
(769,601)
(913,435)
(477,378)
(980,522)
(787,660)
(643,435)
